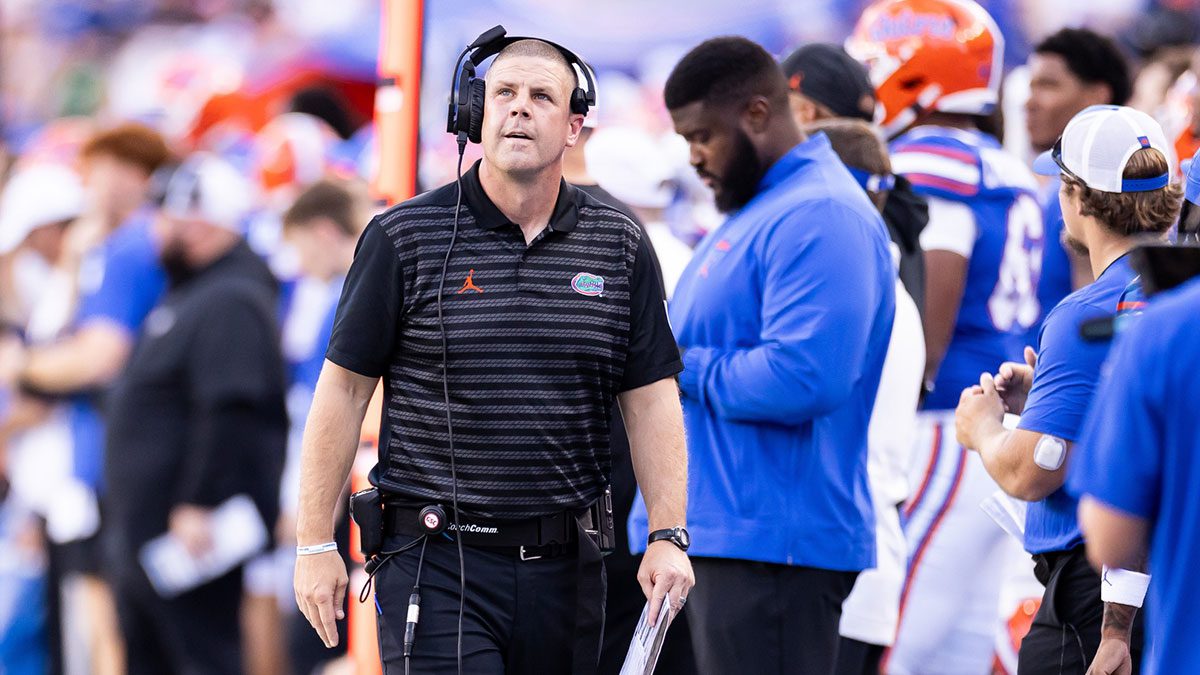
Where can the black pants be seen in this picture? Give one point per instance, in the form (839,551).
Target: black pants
(1066,630)
(858,658)
(196,633)
(751,617)
(519,616)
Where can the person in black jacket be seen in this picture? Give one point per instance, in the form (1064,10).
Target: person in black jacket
(197,418)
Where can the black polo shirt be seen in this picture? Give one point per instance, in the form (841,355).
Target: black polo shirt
(541,338)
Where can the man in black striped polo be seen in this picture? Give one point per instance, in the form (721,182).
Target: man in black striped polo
(551,312)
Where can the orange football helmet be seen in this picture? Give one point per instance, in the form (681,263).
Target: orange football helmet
(927,55)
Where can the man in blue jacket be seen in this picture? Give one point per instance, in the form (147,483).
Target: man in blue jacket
(783,317)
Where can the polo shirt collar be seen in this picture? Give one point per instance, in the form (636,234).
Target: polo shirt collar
(489,216)
(815,147)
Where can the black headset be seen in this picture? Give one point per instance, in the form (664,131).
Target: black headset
(465,115)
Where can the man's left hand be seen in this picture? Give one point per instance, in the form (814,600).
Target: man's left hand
(1112,658)
(665,571)
(979,407)
(191,525)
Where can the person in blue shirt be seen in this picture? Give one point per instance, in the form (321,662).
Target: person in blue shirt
(119,281)
(1125,197)
(783,317)
(1139,469)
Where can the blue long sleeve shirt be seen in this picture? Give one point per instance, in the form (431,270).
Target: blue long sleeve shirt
(785,313)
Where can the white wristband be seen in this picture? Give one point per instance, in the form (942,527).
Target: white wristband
(1123,587)
(317,548)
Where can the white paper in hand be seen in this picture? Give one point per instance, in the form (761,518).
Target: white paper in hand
(238,533)
(647,641)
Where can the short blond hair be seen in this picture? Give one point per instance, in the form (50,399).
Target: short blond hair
(541,50)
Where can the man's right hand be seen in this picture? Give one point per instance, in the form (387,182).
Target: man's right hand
(1014,381)
(320,584)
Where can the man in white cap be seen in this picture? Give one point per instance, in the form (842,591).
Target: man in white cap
(197,419)
(1115,168)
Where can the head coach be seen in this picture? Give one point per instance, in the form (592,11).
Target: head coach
(503,330)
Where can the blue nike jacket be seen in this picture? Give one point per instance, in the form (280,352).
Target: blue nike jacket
(785,314)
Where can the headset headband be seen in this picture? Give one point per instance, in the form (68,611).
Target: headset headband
(492,42)
(493,47)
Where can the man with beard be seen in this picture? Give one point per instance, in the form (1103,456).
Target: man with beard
(782,352)
(1115,191)
(197,418)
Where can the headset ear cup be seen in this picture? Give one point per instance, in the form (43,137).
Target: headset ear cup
(462,107)
(579,103)
(475,119)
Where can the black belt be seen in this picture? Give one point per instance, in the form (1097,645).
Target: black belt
(532,538)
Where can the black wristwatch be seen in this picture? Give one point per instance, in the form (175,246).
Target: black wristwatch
(676,535)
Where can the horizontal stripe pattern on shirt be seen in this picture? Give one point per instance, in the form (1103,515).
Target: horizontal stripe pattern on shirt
(534,361)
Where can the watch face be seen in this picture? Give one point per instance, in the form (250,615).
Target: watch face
(684,538)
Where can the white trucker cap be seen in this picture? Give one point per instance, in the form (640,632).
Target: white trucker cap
(1097,144)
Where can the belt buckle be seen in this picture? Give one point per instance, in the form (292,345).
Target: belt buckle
(525,557)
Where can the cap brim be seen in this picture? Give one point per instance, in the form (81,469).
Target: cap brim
(1045,165)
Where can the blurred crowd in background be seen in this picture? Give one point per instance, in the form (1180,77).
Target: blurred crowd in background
(96,96)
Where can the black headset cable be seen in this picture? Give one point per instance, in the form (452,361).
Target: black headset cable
(462,570)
